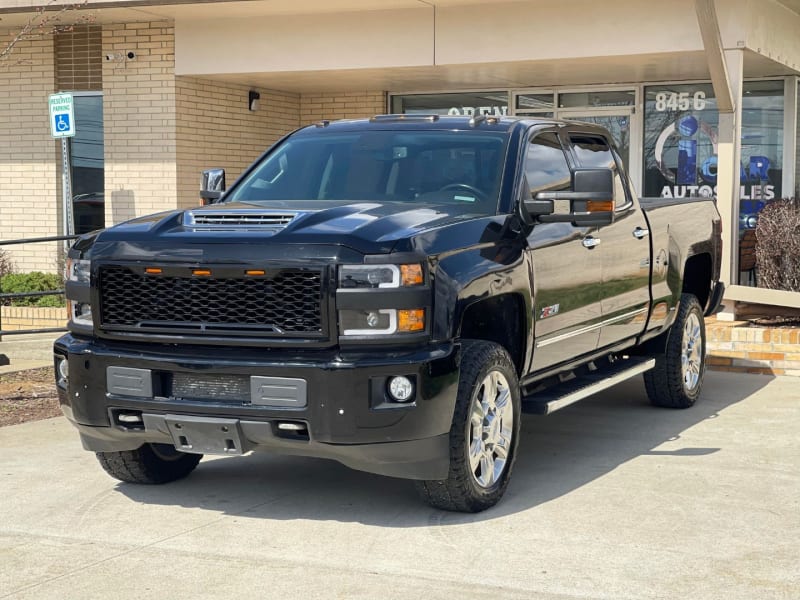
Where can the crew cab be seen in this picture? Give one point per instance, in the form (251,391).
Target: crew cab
(391,293)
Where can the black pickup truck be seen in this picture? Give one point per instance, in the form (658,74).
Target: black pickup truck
(390,293)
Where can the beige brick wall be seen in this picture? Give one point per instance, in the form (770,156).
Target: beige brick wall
(29,197)
(215,128)
(139,120)
(16,318)
(341,105)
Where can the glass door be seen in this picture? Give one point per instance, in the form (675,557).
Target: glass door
(614,109)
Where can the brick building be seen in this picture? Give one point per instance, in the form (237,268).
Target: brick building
(162,91)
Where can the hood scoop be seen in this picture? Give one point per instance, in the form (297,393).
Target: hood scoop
(261,220)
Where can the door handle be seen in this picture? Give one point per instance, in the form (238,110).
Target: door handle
(640,233)
(590,242)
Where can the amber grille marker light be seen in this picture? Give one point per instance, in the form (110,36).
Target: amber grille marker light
(201,272)
(153,270)
(411,320)
(411,274)
(254,272)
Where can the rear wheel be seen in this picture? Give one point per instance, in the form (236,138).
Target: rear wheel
(149,464)
(484,432)
(677,378)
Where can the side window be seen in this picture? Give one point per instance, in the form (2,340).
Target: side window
(594,152)
(546,165)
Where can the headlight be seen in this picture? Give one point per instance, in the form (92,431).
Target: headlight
(80,313)
(380,276)
(79,270)
(384,321)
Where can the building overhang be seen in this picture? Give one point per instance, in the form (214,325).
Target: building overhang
(505,75)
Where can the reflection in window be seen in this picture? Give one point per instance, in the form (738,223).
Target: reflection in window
(86,161)
(546,166)
(466,103)
(594,152)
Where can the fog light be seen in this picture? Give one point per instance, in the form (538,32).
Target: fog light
(401,389)
(63,370)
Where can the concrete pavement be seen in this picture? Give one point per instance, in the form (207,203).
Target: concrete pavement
(611,499)
(26,351)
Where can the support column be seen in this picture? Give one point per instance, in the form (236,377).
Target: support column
(729,156)
(789,137)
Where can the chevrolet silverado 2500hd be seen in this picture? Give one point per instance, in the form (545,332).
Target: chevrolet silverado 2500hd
(390,293)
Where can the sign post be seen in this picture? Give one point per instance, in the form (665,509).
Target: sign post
(62,125)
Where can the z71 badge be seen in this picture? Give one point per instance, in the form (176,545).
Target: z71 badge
(549,311)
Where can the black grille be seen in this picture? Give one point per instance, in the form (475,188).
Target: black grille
(212,388)
(285,301)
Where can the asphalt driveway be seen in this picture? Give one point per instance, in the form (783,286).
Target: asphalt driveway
(611,499)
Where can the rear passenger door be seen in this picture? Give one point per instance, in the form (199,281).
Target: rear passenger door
(566,264)
(625,245)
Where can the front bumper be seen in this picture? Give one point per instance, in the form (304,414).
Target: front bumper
(344,417)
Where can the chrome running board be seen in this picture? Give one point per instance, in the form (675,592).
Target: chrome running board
(583,386)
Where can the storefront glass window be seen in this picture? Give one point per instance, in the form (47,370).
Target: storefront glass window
(680,141)
(535,103)
(86,157)
(596,99)
(680,151)
(466,103)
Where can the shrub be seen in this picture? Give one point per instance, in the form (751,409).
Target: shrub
(778,245)
(6,266)
(18,283)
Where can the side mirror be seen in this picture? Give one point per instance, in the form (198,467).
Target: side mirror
(212,185)
(591,200)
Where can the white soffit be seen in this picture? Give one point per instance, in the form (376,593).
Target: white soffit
(608,70)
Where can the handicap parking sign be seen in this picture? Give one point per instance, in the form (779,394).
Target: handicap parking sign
(62,122)
(62,117)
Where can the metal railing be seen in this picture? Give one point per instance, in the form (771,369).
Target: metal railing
(12,296)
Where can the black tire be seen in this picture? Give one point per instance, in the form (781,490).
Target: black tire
(149,464)
(462,491)
(670,384)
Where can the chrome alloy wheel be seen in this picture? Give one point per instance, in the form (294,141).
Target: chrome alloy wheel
(491,427)
(691,352)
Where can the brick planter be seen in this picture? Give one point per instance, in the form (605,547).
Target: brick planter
(735,346)
(16,318)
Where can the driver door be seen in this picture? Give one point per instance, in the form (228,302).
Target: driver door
(567,267)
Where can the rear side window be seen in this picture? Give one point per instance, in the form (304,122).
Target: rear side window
(594,152)
(546,165)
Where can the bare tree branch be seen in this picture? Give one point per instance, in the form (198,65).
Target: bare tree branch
(46,21)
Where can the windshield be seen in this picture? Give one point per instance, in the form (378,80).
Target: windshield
(420,167)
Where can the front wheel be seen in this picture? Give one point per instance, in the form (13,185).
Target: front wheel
(484,432)
(677,378)
(149,464)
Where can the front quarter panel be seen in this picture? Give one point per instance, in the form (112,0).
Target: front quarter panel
(492,266)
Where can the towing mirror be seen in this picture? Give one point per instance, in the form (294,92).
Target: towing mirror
(212,184)
(591,200)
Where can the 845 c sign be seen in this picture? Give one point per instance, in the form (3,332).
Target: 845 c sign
(668,101)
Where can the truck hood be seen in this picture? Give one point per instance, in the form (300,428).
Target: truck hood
(365,227)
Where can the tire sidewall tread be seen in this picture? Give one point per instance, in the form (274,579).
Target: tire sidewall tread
(664,383)
(144,466)
(460,492)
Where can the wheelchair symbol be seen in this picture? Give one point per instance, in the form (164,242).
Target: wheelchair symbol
(62,122)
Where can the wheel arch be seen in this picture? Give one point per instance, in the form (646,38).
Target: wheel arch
(697,277)
(500,319)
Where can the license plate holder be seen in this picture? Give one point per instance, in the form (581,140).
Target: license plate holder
(204,435)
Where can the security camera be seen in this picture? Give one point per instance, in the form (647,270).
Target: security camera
(131,55)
